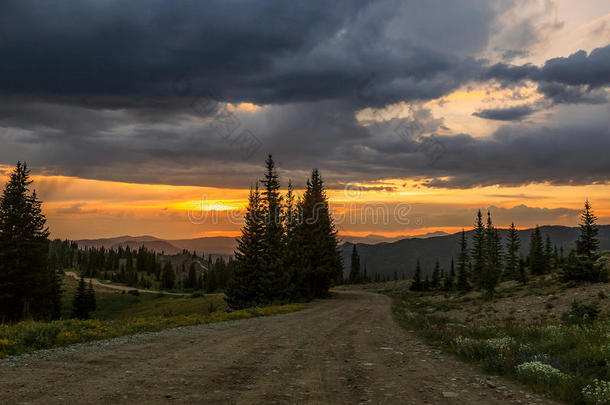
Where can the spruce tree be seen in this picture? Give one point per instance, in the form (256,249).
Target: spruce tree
(293,257)
(492,270)
(512,253)
(426,284)
(90,298)
(322,261)
(548,255)
(463,278)
(168,277)
(581,264)
(449,280)
(478,250)
(273,270)
(354,274)
(244,289)
(28,284)
(522,272)
(537,260)
(416,284)
(587,243)
(436,276)
(80,303)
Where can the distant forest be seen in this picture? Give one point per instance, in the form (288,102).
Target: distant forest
(144,268)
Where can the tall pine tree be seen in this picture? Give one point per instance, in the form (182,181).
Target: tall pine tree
(463,272)
(416,284)
(323,263)
(512,254)
(278,278)
(28,283)
(354,274)
(478,250)
(244,289)
(492,268)
(587,243)
(537,258)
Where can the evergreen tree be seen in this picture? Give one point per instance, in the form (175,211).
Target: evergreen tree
(354,274)
(80,302)
(537,259)
(478,250)
(522,273)
(168,277)
(277,279)
(548,255)
(322,263)
(28,284)
(449,280)
(90,298)
(582,264)
(492,269)
(365,276)
(292,245)
(587,243)
(192,277)
(512,253)
(416,284)
(436,276)
(426,284)
(243,290)
(463,278)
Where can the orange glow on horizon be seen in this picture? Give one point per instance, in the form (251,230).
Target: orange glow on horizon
(79,208)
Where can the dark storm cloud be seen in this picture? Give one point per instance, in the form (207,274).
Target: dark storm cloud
(506,114)
(578,78)
(111,53)
(127,91)
(559,152)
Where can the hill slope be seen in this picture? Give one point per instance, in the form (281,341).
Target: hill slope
(401,256)
(217,245)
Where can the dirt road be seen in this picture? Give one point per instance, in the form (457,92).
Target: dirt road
(345,350)
(98,284)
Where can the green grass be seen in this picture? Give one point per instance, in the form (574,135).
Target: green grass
(117,305)
(567,361)
(28,336)
(119,314)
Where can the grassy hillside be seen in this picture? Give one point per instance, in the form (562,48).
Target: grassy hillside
(533,333)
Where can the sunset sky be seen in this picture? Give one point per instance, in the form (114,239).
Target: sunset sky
(155,117)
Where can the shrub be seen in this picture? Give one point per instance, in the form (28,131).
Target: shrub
(538,373)
(134,292)
(581,312)
(597,393)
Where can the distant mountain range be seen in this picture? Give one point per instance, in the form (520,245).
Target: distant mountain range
(215,245)
(401,256)
(373,239)
(383,255)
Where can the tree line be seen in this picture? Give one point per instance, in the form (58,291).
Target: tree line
(288,249)
(144,268)
(488,261)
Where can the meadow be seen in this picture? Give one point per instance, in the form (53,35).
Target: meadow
(118,314)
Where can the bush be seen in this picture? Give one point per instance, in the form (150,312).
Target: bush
(134,292)
(538,373)
(597,393)
(581,313)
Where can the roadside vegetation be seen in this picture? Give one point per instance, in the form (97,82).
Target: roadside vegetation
(543,320)
(119,314)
